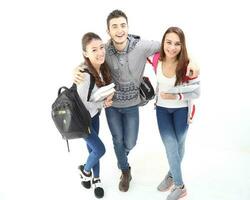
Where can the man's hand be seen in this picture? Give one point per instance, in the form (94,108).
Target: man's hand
(192,70)
(78,76)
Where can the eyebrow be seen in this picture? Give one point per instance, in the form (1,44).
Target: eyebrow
(96,47)
(172,41)
(119,24)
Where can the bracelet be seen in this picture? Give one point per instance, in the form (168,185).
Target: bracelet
(180,96)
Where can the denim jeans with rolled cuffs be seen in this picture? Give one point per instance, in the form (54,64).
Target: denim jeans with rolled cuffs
(123,124)
(172,124)
(95,147)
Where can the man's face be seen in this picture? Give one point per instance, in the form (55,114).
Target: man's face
(118,30)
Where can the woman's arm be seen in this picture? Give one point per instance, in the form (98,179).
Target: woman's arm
(184,94)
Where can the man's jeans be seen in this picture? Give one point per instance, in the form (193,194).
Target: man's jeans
(123,124)
(95,147)
(172,124)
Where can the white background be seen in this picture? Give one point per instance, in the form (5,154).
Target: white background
(40,44)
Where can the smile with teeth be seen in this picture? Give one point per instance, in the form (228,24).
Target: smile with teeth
(120,35)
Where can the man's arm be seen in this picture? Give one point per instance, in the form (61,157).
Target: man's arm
(193,70)
(78,76)
(150,47)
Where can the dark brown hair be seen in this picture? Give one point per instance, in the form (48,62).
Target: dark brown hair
(86,39)
(182,57)
(116,14)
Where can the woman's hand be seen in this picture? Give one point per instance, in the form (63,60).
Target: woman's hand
(168,96)
(108,101)
(78,75)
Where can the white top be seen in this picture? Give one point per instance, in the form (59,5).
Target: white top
(164,84)
(83,89)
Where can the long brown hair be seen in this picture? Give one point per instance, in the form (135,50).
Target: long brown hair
(86,39)
(182,57)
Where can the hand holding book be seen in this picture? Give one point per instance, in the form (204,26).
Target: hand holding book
(102,93)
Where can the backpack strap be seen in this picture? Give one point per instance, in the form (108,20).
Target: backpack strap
(155,61)
(92,82)
(91,86)
(67,145)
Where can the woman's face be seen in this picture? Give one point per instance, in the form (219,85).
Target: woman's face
(172,45)
(95,51)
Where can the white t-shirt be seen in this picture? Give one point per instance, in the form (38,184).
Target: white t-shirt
(164,83)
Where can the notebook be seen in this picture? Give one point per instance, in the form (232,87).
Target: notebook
(101,93)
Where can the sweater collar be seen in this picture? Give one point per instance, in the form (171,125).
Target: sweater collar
(132,41)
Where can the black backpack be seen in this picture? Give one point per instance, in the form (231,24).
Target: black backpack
(69,114)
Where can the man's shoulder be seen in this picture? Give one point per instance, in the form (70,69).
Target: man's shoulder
(148,42)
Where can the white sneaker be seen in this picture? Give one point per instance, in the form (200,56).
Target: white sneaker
(98,190)
(166,184)
(177,193)
(86,178)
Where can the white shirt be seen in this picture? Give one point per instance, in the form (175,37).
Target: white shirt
(83,89)
(163,84)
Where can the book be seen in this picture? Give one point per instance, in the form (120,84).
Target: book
(182,89)
(103,92)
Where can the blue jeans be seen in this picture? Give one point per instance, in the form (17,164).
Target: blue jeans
(95,147)
(173,126)
(124,125)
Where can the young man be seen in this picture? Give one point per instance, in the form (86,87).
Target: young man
(126,56)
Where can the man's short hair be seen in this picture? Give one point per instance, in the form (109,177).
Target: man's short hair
(116,14)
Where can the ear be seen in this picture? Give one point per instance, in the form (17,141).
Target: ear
(108,32)
(84,53)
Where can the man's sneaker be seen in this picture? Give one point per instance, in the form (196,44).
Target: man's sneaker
(177,193)
(86,178)
(166,183)
(125,180)
(98,190)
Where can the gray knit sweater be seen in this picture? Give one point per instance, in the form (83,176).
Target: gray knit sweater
(127,69)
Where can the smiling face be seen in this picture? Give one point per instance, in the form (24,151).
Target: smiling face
(118,30)
(95,51)
(172,45)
